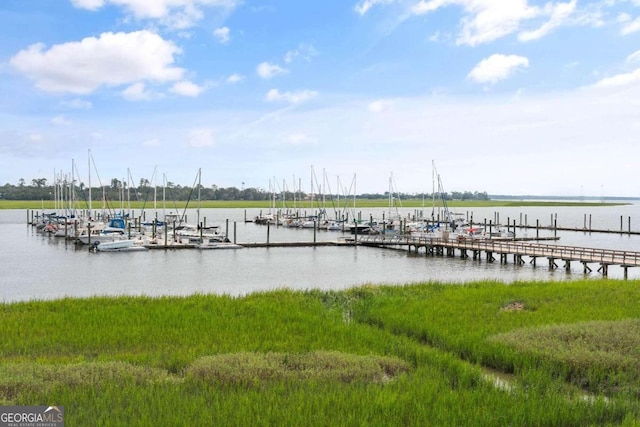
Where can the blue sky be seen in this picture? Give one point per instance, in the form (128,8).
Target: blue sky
(505,96)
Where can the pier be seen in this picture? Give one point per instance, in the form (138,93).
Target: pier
(493,250)
(517,249)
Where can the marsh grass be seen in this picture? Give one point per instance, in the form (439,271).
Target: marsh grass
(255,368)
(585,332)
(44,378)
(396,355)
(599,356)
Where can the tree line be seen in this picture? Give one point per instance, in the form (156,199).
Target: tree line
(118,190)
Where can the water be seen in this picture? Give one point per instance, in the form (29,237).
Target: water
(34,266)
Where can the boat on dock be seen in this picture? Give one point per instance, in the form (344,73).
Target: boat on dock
(361,227)
(123,245)
(218,245)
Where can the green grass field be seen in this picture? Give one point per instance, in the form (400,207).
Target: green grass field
(557,354)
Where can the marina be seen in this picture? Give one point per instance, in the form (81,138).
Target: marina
(38,265)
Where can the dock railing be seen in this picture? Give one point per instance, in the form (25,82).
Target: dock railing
(551,251)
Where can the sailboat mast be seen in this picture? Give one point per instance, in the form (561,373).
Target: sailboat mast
(129,184)
(390,193)
(354,192)
(155,187)
(433,189)
(324,187)
(164,197)
(73,189)
(89,165)
(55,191)
(199,185)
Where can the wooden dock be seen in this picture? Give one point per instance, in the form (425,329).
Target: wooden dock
(493,250)
(517,249)
(177,246)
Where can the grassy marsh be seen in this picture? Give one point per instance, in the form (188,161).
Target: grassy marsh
(420,354)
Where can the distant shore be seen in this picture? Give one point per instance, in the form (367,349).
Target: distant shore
(265,204)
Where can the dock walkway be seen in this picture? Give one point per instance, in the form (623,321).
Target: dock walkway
(518,249)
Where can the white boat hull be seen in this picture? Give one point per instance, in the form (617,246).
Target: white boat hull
(219,245)
(114,245)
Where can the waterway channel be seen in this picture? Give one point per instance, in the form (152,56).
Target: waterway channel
(36,266)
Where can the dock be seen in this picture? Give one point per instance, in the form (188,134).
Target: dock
(255,245)
(492,250)
(502,249)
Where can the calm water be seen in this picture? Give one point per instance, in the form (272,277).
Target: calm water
(33,266)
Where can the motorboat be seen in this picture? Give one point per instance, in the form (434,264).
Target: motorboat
(117,245)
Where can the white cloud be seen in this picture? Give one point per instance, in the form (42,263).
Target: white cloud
(266,70)
(620,80)
(137,92)
(304,51)
(186,88)
(274,95)
(630,27)
(559,14)
(235,78)
(489,20)
(423,6)
(497,67)
(363,6)
(591,14)
(200,138)
(484,20)
(634,57)
(623,17)
(174,13)
(88,4)
(113,59)
(222,34)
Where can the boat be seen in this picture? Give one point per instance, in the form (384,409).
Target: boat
(360,227)
(114,230)
(471,232)
(115,225)
(116,245)
(500,233)
(310,222)
(218,245)
(335,226)
(192,234)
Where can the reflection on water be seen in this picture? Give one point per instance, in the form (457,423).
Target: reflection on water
(38,267)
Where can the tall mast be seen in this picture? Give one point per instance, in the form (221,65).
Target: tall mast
(199,181)
(129,183)
(164,198)
(73,189)
(433,189)
(89,164)
(390,193)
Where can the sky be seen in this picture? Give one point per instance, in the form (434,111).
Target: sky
(515,97)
